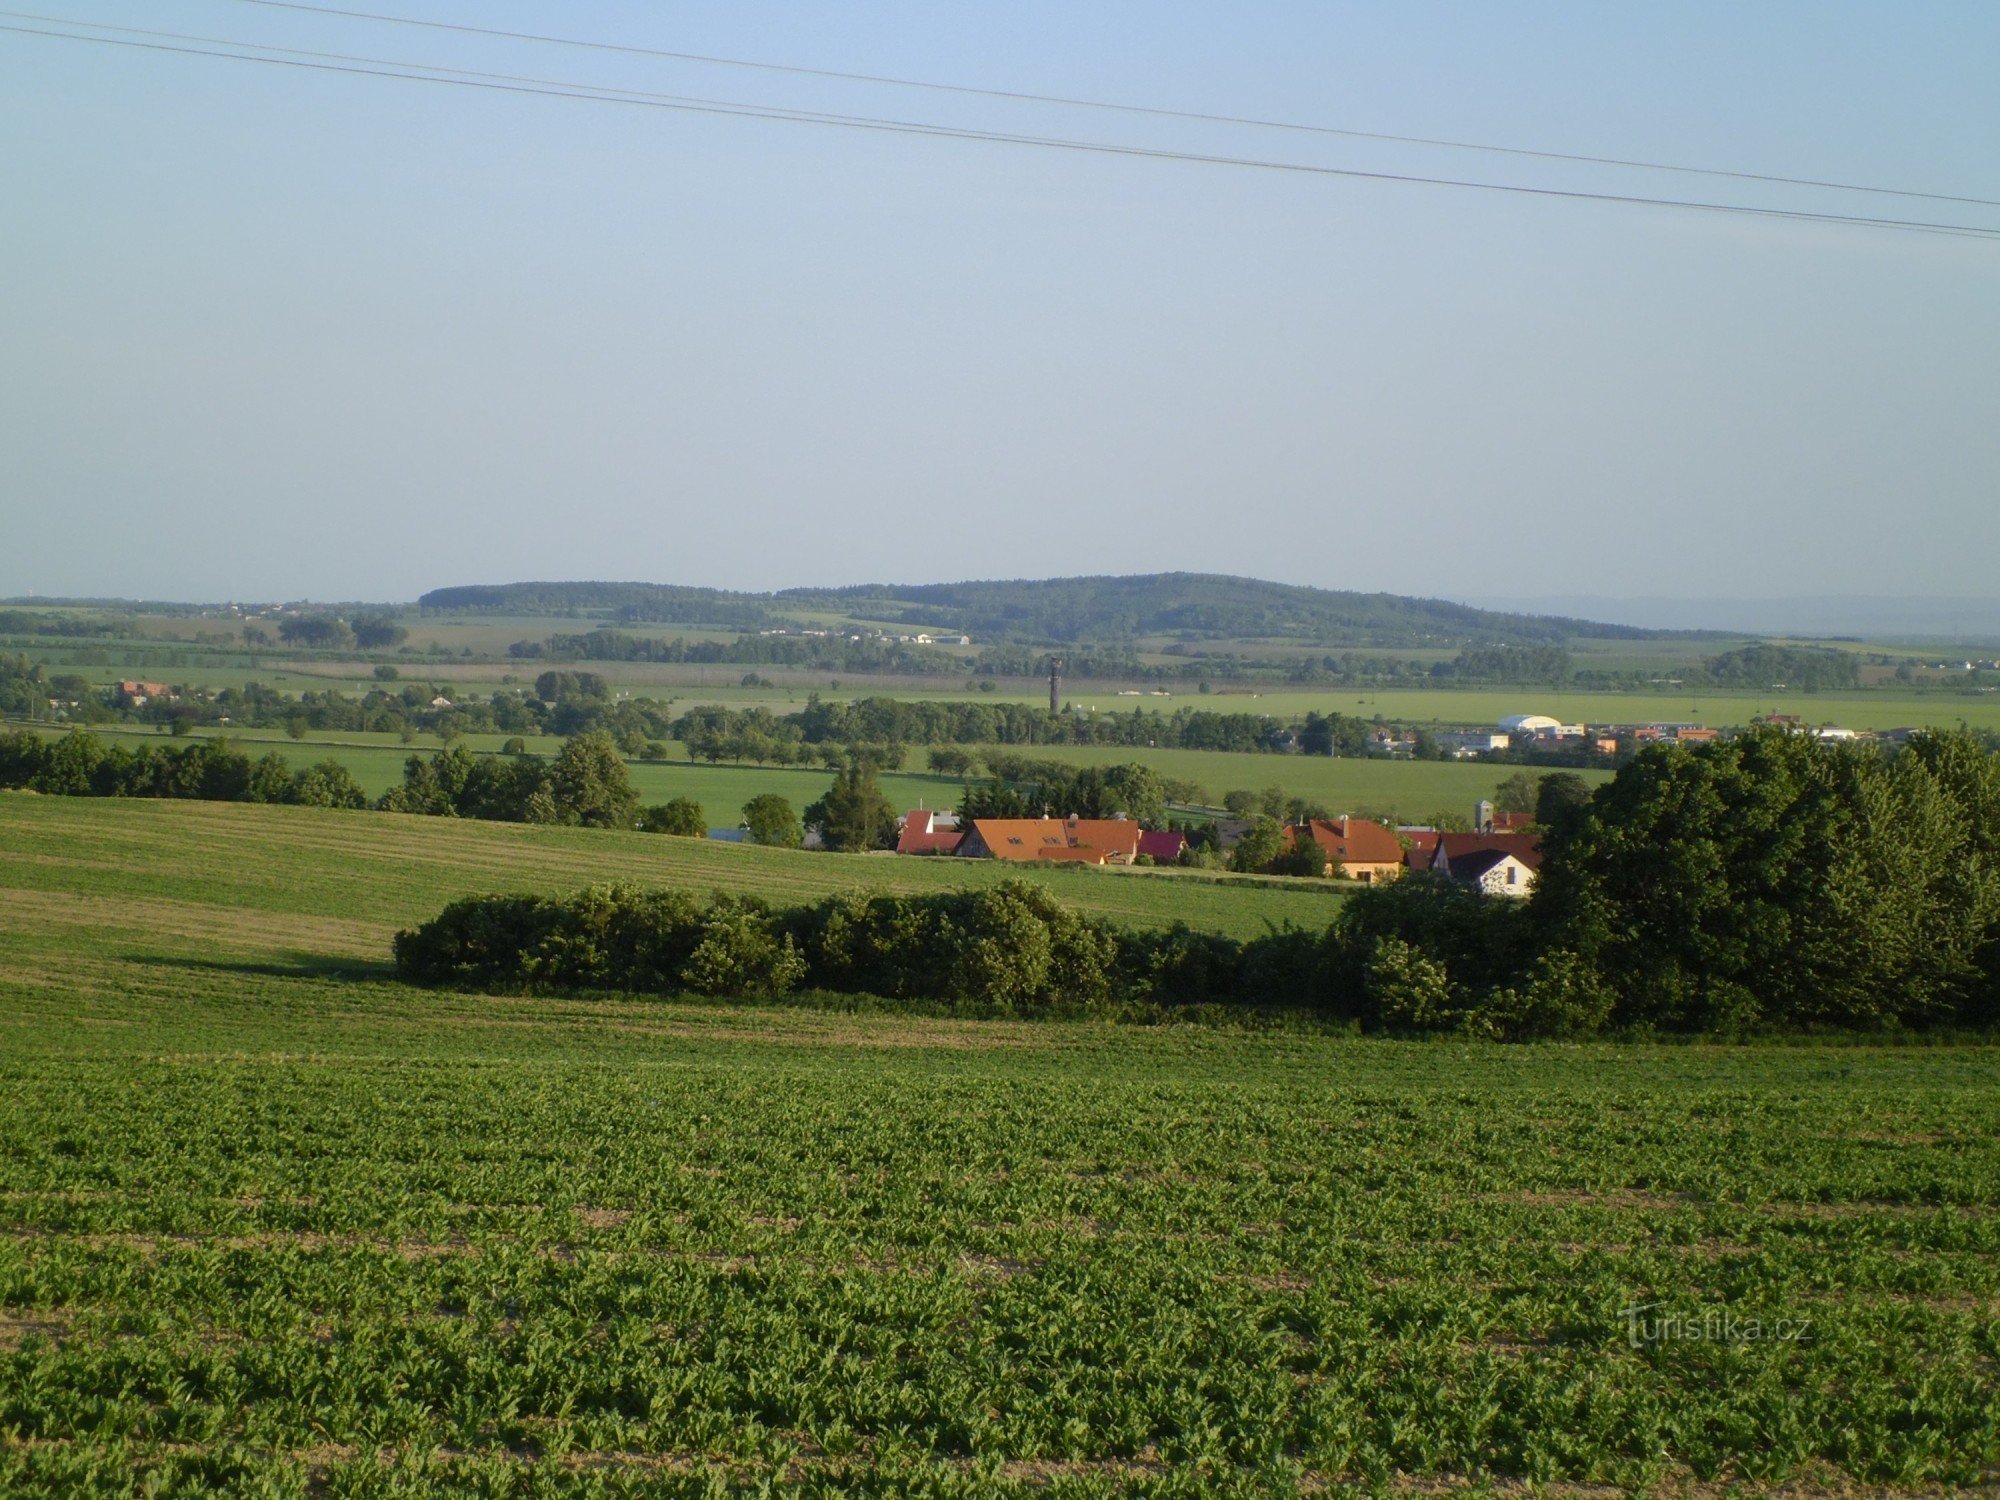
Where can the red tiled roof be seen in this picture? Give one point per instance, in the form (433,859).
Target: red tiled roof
(1163,847)
(1526,847)
(1423,844)
(1353,841)
(1025,838)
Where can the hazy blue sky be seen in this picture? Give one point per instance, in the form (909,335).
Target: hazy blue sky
(267,333)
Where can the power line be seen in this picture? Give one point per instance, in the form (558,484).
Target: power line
(1075,102)
(500,83)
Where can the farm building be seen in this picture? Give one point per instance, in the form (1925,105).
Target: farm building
(139,693)
(1540,727)
(1164,848)
(1114,840)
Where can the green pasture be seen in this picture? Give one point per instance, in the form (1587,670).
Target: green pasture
(1410,790)
(274,1223)
(374,871)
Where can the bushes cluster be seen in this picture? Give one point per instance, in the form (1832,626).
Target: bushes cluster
(1013,949)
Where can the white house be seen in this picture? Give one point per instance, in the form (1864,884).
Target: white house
(1495,872)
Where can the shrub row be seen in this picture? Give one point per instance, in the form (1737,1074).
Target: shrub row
(1012,949)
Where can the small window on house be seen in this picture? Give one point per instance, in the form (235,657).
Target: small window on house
(1014,841)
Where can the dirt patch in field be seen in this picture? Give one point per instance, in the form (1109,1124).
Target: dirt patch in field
(17,1328)
(1874,1208)
(787,1029)
(999,1267)
(1622,1199)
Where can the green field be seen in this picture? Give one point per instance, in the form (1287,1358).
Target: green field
(1410,789)
(273,1223)
(364,874)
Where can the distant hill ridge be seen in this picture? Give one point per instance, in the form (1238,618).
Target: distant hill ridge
(1057,611)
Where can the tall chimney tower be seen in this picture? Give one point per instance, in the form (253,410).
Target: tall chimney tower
(1055,684)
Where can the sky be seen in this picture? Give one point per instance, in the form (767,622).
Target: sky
(272,333)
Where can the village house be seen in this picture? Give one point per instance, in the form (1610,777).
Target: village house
(1497,872)
(1463,744)
(1360,848)
(1066,840)
(1465,857)
(927,832)
(1165,847)
(138,694)
(1389,744)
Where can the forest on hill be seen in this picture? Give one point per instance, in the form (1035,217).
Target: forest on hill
(1057,611)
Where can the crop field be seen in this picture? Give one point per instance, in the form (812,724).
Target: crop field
(273,1223)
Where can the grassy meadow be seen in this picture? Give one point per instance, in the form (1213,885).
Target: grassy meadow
(273,1223)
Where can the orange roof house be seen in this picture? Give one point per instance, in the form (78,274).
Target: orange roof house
(1361,847)
(1023,839)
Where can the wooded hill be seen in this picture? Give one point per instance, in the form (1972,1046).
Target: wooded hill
(1058,611)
